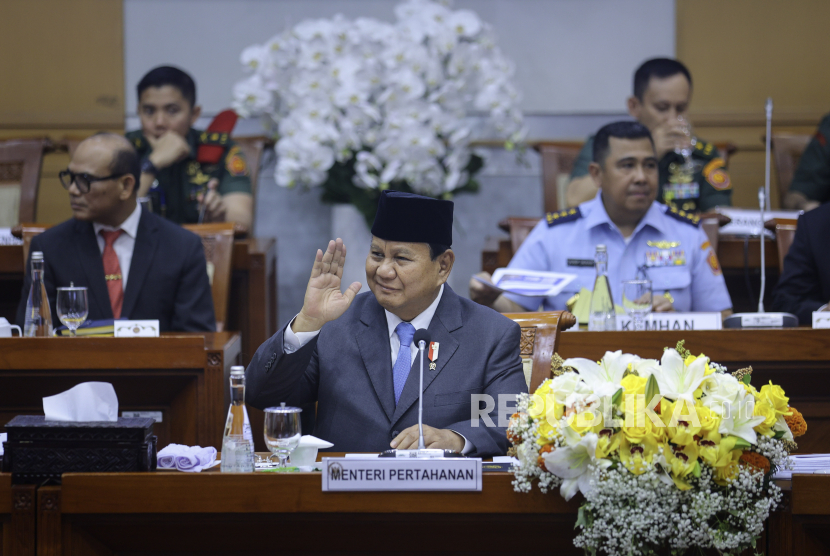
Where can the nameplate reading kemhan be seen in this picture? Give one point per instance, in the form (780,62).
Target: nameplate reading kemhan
(400,474)
(674,321)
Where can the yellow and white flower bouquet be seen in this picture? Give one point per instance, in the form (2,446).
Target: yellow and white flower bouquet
(668,455)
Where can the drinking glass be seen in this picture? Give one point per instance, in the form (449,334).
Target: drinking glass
(237,455)
(282,431)
(637,301)
(73,307)
(686,146)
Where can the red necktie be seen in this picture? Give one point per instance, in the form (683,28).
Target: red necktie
(112,272)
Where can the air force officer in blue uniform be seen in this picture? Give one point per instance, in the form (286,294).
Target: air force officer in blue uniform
(355,355)
(644,239)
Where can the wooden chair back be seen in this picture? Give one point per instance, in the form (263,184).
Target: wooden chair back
(784,235)
(540,336)
(217,240)
(519,227)
(20,162)
(786,151)
(558,159)
(27,231)
(253,147)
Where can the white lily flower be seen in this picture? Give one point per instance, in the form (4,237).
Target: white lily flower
(675,379)
(603,378)
(572,464)
(738,419)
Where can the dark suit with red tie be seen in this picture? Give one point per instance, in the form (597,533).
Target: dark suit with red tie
(347,369)
(168,274)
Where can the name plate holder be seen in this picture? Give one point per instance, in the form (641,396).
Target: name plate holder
(401,474)
(821,319)
(674,321)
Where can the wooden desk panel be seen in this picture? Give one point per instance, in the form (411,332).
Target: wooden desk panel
(262,513)
(17,518)
(182,375)
(803,525)
(252,309)
(796,358)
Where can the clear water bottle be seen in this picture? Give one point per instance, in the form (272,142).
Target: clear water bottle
(38,313)
(237,441)
(603,316)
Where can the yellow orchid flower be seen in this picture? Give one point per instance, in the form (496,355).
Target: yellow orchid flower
(681,425)
(682,461)
(725,474)
(607,443)
(638,458)
(709,447)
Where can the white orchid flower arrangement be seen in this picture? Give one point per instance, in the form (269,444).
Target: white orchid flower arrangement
(364,105)
(668,455)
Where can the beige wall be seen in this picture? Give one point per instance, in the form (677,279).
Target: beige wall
(742,51)
(63,69)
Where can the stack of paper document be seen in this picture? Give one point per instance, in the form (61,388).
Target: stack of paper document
(531,283)
(806,463)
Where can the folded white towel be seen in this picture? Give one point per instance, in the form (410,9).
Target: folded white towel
(186,458)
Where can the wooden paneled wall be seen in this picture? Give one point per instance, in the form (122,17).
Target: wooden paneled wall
(63,76)
(742,51)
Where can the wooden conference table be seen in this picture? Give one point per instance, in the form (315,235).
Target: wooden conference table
(265,513)
(252,304)
(182,376)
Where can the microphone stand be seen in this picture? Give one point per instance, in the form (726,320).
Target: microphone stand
(421,346)
(762,319)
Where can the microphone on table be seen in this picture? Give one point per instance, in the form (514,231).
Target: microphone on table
(421,339)
(762,319)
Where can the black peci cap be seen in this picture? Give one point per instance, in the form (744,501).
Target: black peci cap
(413,218)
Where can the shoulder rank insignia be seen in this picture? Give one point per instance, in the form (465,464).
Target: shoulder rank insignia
(567,215)
(213,138)
(683,216)
(704,148)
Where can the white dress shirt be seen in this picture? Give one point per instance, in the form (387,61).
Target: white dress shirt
(124,245)
(292,341)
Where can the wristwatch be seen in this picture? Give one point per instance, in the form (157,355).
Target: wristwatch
(148,167)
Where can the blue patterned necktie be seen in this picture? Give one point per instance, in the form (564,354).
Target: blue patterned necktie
(403,363)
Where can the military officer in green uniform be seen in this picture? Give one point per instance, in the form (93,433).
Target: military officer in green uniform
(187,186)
(811,182)
(662,91)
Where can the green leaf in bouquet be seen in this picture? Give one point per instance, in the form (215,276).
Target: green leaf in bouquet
(778,435)
(696,470)
(742,444)
(652,389)
(615,399)
(746,379)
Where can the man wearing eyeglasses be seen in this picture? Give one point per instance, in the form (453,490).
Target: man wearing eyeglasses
(136,265)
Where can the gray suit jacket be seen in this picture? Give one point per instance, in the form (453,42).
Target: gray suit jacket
(347,369)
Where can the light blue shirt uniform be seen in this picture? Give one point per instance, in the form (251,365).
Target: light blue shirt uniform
(667,247)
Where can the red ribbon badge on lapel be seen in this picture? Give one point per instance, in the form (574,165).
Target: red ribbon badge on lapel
(433,355)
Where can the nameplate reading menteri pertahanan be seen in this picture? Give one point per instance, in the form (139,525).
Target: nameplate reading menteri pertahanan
(400,474)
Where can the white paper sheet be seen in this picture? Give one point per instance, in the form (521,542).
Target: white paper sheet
(88,401)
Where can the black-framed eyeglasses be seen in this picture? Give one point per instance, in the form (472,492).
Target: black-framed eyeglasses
(83,180)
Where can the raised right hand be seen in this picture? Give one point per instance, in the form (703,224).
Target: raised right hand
(324,302)
(168,149)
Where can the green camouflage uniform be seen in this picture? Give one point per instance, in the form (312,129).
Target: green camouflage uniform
(812,177)
(709,187)
(180,183)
